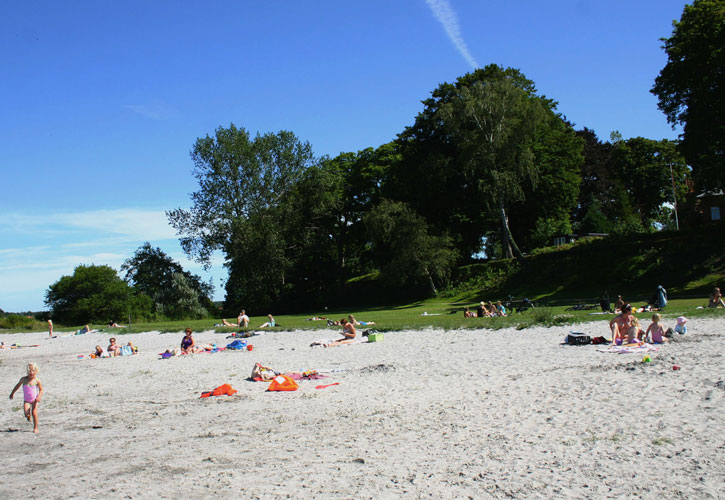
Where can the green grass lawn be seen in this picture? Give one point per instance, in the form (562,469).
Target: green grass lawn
(442,314)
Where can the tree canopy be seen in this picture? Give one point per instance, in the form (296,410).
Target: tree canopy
(245,190)
(691,88)
(94,294)
(176,293)
(480,147)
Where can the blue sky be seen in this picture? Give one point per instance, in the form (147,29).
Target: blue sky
(101,101)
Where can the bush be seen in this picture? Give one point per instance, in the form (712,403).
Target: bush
(17,322)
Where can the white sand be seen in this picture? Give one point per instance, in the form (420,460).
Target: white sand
(478,414)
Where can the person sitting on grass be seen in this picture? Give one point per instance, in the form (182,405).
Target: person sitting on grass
(623,326)
(270,323)
(500,309)
(618,304)
(467,313)
(715,299)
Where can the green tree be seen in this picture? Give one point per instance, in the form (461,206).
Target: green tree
(481,148)
(691,88)
(496,123)
(405,250)
(152,272)
(94,294)
(645,167)
(239,209)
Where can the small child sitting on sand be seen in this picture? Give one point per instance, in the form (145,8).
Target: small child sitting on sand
(657,331)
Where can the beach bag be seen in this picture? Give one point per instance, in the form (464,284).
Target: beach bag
(126,351)
(578,338)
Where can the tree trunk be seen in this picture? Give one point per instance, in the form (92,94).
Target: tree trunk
(430,281)
(510,246)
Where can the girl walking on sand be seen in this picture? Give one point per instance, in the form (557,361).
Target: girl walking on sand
(32,392)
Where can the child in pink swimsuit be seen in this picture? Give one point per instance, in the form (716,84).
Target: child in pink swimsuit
(32,392)
(657,330)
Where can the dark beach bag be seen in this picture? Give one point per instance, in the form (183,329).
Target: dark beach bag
(578,338)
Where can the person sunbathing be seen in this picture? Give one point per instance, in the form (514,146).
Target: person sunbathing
(100,352)
(348,333)
(355,322)
(113,348)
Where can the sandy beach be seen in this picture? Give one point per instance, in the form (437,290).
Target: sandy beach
(423,414)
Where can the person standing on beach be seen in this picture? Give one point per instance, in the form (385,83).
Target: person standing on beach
(32,392)
(50,327)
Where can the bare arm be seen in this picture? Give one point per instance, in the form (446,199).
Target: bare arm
(17,386)
(40,391)
(646,334)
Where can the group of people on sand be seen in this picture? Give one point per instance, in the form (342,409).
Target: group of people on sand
(485,311)
(114,349)
(626,328)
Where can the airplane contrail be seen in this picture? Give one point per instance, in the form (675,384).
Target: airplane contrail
(445,14)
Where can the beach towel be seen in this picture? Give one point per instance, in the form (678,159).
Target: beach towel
(237,345)
(282,383)
(222,390)
(629,349)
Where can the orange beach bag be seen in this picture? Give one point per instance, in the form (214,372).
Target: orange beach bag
(282,383)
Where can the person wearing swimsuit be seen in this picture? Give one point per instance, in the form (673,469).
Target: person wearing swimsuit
(32,393)
(188,344)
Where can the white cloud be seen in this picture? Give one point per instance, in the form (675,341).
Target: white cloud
(36,250)
(445,14)
(129,223)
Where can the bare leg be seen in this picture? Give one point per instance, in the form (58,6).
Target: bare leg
(631,334)
(35,416)
(26,410)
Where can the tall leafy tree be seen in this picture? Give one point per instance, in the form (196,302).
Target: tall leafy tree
(157,275)
(94,294)
(494,120)
(481,148)
(691,88)
(239,209)
(650,170)
(406,252)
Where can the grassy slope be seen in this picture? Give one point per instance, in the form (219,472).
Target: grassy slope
(687,263)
